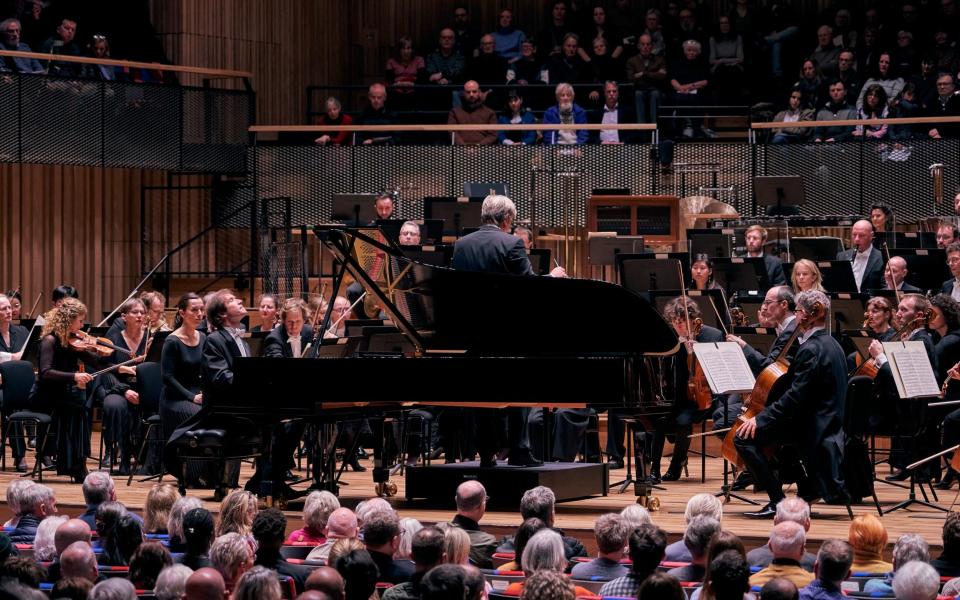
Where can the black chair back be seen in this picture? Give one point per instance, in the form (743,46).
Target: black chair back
(860,400)
(149,386)
(18,381)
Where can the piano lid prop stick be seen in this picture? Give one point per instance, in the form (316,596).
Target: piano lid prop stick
(349,310)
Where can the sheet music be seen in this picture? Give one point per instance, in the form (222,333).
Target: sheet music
(911,369)
(725,367)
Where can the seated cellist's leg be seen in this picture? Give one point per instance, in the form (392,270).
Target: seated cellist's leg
(752,452)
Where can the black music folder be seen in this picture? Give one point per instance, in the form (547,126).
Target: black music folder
(926,267)
(741,274)
(846,310)
(603,250)
(643,273)
(354,209)
(540,260)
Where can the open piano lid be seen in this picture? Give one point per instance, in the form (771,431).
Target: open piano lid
(490,314)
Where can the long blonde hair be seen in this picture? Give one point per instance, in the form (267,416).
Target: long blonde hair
(57,321)
(236,513)
(817,276)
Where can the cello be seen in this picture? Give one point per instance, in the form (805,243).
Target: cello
(771,379)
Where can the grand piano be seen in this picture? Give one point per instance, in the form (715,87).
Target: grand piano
(467,339)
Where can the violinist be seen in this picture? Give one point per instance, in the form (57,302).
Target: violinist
(911,317)
(684,315)
(291,338)
(16,303)
(809,414)
(945,325)
(806,276)
(701,273)
(62,383)
(59,294)
(12,339)
(155,304)
(269,306)
(877,318)
(120,401)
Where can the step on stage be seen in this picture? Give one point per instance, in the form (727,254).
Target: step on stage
(437,484)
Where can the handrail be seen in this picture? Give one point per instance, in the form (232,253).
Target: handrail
(454,127)
(853,122)
(214,73)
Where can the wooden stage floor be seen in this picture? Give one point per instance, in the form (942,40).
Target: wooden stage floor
(575,517)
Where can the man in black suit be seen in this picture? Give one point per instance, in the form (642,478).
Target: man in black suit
(681,313)
(756,237)
(613,113)
(951,287)
(895,276)
(809,414)
(867,261)
(492,249)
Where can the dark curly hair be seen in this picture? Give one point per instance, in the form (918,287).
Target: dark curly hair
(950,309)
(269,526)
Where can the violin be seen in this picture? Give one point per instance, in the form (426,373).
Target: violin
(101,346)
(698,390)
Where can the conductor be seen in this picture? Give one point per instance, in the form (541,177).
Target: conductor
(493,249)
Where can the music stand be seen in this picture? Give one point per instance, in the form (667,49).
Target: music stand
(539,260)
(641,273)
(255,341)
(391,228)
(750,303)
(780,194)
(435,256)
(915,239)
(431,230)
(760,339)
(815,248)
(846,310)
(927,267)
(474,189)
(31,348)
(456,213)
(861,340)
(713,244)
(156,346)
(379,341)
(741,274)
(354,209)
(602,250)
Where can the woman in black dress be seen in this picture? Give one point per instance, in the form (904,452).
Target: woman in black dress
(120,401)
(62,386)
(180,363)
(12,339)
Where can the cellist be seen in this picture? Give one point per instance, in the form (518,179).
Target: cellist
(683,314)
(809,414)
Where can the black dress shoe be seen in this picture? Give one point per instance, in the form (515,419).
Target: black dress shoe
(670,476)
(523,458)
(436,453)
(767,512)
(356,466)
(947,482)
(654,478)
(744,480)
(615,463)
(903,475)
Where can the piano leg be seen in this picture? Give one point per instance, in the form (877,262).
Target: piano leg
(643,453)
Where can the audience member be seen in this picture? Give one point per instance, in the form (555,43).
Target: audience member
(811,84)
(37,502)
(875,106)
(342,547)
(544,552)
(507,38)
(909,547)
(205,584)
(15,490)
(568,66)
(76,588)
(565,112)
(78,560)
(527,69)
(791,508)
(552,36)
(472,111)
(172,582)
(62,43)
(456,545)
(660,586)
(836,109)
(198,536)
(722,542)
(328,581)
(779,588)
(268,529)
(442,582)
(647,71)
(146,563)
(471,505)
(787,540)
(381,534)
(827,53)
(488,67)
(846,72)
(729,576)
(613,113)
(540,502)
(237,512)
(916,581)
(231,555)
(634,516)
(359,573)
(114,588)
(868,537)
(175,522)
(700,530)
(548,585)
(408,526)
(467,36)
(526,531)
(98,487)
(341,524)
(10,30)
(446,65)
(376,113)
(698,505)
(884,76)
(73,530)
(44,548)
(832,568)
(334,117)
(516,114)
(948,563)
(647,545)
(427,553)
(259,583)
(794,113)
(22,569)
(612,536)
(946,104)
(160,499)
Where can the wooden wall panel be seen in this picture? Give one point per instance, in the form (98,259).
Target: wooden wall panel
(81,225)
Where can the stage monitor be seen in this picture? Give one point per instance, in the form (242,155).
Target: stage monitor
(456,213)
(354,209)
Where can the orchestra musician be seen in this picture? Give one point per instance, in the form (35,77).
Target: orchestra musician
(409,234)
(155,304)
(756,237)
(881,217)
(879,315)
(62,386)
(339,315)
(951,287)
(806,276)
(947,233)
(945,327)
(16,303)
(906,446)
(120,400)
(269,306)
(809,414)
(57,296)
(701,273)
(895,276)
(866,259)
(181,363)
(12,339)
(680,312)
(494,250)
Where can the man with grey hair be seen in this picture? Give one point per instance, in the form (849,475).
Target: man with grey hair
(539,502)
(787,541)
(231,555)
(909,546)
(611,534)
(114,588)
(10,40)
(492,249)
(808,415)
(699,504)
(696,538)
(565,112)
(789,509)
(36,504)
(471,501)
(916,581)
(98,487)
(832,568)
(172,582)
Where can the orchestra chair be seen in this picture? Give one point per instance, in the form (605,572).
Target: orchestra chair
(149,385)
(18,382)
(860,401)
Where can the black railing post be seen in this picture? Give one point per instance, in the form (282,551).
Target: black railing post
(860,170)
(304,264)
(254,247)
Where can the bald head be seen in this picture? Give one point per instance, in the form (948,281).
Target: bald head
(78,560)
(205,584)
(73,530)
(861,235)
(315,595)
(342,524)
(327,581)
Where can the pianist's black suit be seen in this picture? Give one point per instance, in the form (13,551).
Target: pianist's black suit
(286,436)
(491,250)
(810,415)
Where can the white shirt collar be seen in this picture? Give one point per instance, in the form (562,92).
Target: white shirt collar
(783,324)
(809,333)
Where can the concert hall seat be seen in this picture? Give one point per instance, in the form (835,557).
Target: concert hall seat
(289,551)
